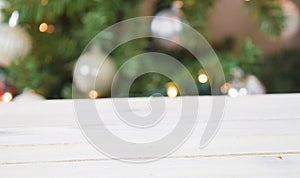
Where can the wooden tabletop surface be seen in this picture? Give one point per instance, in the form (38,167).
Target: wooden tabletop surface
(259,137)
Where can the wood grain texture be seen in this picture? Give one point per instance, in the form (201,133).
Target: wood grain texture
(259,137)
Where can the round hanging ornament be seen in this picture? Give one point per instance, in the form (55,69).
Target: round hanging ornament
(28,95)
(15,43)
(167,26)
(88,70)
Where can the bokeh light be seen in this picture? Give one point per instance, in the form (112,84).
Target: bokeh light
(172,90)
(43,27)
(202,78)
(93,94)
(7,97)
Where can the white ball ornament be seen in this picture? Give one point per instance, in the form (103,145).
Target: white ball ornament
(254,86)
(87,70)
(28,95)
(14,43)
(167,25)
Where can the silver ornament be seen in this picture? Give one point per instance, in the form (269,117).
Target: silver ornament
(88,70)
(167,25)
(14,43)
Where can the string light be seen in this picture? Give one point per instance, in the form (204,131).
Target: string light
(51,29)
(93,94)
(172,90)
(178,4)
(43,27)
(6,97)
(233,92)
(44,2)
(224,88)
(243,92)
(202,77)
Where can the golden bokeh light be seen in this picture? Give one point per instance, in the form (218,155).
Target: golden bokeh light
(225,88)
(43,27)
(172,90)
(202,78)
(44,2)
(178,4)
(51,28)
(6,97)
(93,94)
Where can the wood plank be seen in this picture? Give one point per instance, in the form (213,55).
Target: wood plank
(219,167)
(61,112)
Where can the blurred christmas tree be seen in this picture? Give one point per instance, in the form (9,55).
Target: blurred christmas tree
(60,29)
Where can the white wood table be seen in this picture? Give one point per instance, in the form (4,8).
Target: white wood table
(259,137)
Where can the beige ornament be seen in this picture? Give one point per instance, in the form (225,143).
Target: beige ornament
(87,70)
(14,43)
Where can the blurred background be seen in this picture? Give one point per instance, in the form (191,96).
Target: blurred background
(257,42)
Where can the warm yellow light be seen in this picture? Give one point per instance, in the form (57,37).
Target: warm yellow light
(6,97)
(202,78)
(179,4)
(43,27)
(51,29)
(93,94)
(44,2)
(172,91)
(224,88)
